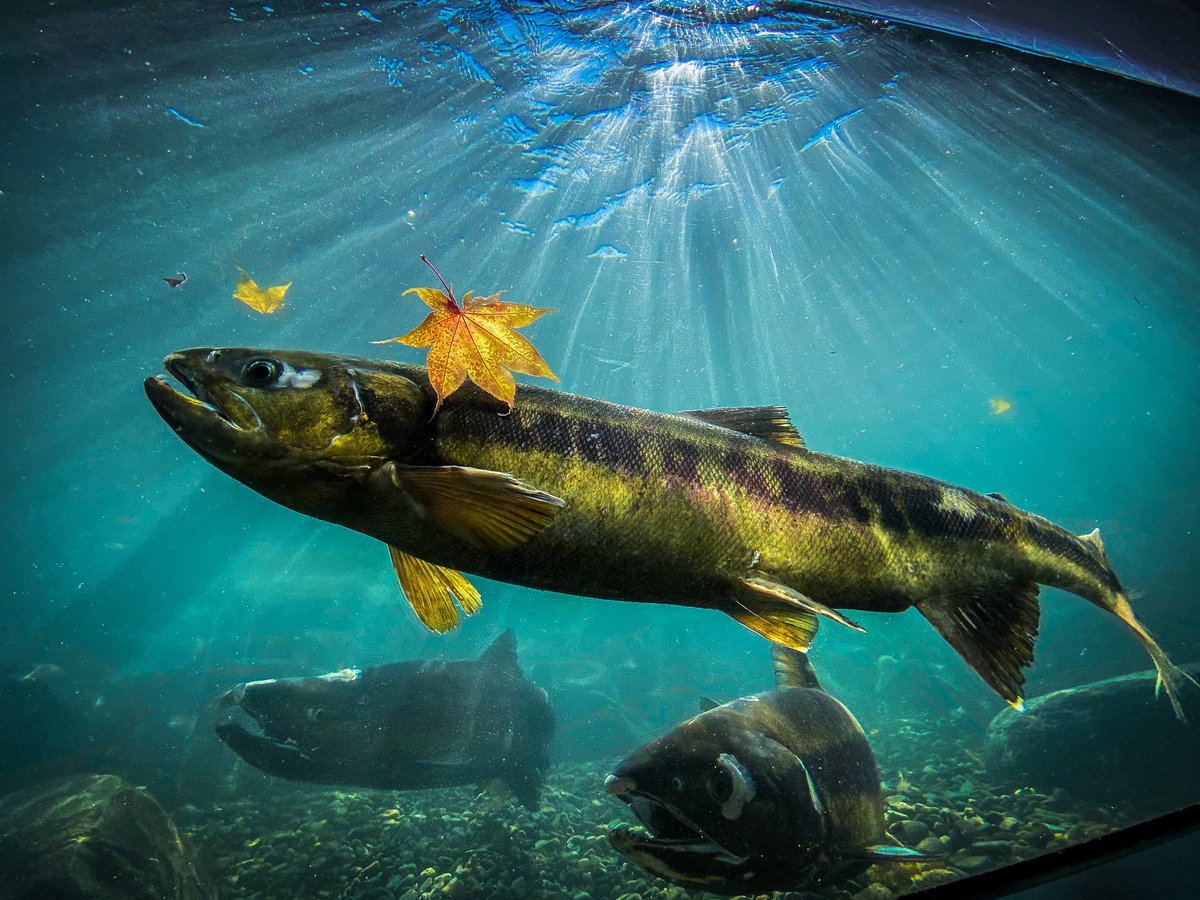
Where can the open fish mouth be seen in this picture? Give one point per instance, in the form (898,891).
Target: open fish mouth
(667,829)
(197,411)
(231,730)
(242,731)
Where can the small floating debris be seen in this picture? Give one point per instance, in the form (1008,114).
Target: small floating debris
(607,251)
(830,130)
(186,120)
(999,405)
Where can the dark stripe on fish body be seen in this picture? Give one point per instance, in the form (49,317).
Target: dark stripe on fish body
(879,492)
(748,472)
(635,444)
(830,495)
(681,460)
(614,445)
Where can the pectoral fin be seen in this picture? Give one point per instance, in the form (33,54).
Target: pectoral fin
(779,623)
(766,586)
(490,510)
(993,628)
(431,591)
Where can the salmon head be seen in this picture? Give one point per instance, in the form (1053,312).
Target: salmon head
(722,804)
(285,422)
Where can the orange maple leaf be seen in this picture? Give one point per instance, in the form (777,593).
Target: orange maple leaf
(475,340)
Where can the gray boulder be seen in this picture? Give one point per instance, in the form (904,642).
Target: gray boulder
(1102,742)
(92,836)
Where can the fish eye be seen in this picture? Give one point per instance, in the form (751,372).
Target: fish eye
(720,786)
(260,372)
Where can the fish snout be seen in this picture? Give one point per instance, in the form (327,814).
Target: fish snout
(619,787)
(232,697)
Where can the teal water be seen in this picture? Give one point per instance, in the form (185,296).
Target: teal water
(881,229)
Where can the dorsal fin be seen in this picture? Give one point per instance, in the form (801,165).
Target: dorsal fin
(1094,540)
(502,651)
(771,423)
(707,703)
(793,670)
(996,495)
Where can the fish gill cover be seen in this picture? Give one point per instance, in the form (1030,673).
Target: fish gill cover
(731,204)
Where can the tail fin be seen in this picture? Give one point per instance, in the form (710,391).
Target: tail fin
(1116,601)
(1170,676)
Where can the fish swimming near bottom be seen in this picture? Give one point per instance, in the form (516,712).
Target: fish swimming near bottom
(725,509)
(776,791)
(414,724)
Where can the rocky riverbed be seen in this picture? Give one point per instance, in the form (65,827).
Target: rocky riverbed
(301,841)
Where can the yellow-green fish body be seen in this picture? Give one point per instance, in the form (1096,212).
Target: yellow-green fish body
(724,509)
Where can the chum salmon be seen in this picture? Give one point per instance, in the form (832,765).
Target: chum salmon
(723,509)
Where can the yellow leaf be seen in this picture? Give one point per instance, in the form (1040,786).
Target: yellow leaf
(263,301)
(476,340)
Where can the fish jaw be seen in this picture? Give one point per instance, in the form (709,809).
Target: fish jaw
(673,846)
(212,425)
(284,737)
(274,757)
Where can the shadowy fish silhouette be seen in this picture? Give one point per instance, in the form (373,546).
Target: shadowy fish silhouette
(416,724)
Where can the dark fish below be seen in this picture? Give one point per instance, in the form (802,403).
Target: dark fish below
(777,791)
(401,725)
(723,509)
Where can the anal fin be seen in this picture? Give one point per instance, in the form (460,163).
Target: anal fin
(993,628)
(431,591)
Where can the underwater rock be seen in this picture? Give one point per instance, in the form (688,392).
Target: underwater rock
(92,836)
(1102,742)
